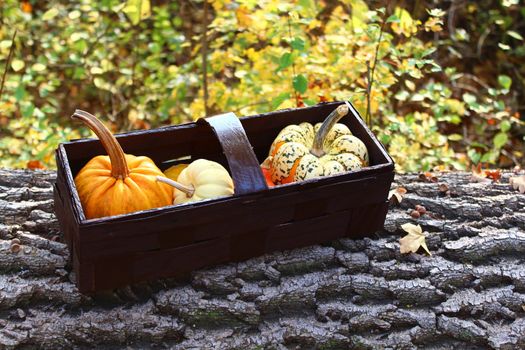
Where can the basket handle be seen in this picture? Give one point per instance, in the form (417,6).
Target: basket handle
(246,171)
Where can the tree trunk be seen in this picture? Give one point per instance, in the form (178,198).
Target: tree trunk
(346,294)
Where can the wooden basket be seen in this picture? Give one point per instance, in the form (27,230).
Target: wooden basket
(174,240)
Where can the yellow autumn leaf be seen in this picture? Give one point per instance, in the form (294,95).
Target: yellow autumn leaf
(415,239)
(434,24)
(406,25)
(397,193)
(137,10)
(359,14)
(244,19)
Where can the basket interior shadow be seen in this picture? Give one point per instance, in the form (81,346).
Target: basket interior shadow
(113,251)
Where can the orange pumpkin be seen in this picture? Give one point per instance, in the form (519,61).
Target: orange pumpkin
(119,183)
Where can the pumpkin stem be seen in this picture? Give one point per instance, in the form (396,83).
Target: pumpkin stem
(189,191)
(317,148)
(119,166)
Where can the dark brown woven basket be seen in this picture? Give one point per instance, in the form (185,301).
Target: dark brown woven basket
(170,241)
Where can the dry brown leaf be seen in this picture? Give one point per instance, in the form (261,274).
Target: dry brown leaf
(518,183)
(428,177)
(35,164)
(415,239)
(493,174)
(443,188)
(485,175)
(397,193)
(478,175)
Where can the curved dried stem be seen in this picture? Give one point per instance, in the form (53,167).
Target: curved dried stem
(189,191)
(119,166)
(317,148)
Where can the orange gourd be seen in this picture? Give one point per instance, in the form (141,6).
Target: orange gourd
(174,171)
(118,183)
(267,176)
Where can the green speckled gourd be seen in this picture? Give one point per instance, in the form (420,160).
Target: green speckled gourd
(302,152)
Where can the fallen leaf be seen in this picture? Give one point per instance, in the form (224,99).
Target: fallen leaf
(397,193)
(485,175)
(518,183)
(443,188)
(428,177)
(478,175)
(415,239)
(35,164)
(493,174)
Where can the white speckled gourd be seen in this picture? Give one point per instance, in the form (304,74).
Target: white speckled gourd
(302,152)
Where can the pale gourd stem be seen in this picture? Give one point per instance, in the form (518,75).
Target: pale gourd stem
(328,124)
(119,166)
(189,191)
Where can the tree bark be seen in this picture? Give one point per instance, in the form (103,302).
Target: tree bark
(359,294)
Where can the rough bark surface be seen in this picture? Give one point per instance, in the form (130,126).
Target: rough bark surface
(359,294)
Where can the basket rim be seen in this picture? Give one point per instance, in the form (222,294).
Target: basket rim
(63,165)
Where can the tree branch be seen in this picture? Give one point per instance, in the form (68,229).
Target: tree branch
(9,57)
(371,70)
(293,64)
(205,57)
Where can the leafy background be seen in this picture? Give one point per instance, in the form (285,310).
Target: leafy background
(440,82)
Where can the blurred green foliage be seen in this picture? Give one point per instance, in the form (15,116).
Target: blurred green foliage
(444,88)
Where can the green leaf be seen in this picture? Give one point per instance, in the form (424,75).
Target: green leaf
(20,93)
(505,126)
(300,84)
(504,47)
(514,34)
(474,156)
(285,61)
(310,102)
(50,14)
(500,139)
(73,15)
(280,99)
(402,95)
(385,139)
(505,81)
(469,98)
(307,4)
(17,65)
(27,110)
(429,51)
(479,145)
(392,19)
(137,10)
(455,137)
(490,157)
(38,67)
(297,44)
